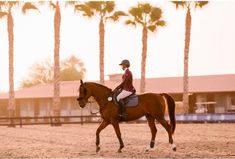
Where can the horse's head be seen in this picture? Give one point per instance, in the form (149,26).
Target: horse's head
(84,94)
(88,89)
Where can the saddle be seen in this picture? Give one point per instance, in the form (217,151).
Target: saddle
(130,101)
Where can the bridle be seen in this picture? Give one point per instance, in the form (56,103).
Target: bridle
(84,93)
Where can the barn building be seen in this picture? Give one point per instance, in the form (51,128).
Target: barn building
(207,94)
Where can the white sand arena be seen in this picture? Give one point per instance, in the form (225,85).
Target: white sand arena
(193,140)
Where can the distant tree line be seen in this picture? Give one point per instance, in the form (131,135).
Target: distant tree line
(71,69)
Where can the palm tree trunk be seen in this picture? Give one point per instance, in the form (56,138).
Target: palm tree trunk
(186,58)
(10,26)
(101,33)
(56,99)
(144,56)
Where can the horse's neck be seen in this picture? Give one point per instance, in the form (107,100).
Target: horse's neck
(98,92)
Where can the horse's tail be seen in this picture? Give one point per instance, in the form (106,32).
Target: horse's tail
(171,110)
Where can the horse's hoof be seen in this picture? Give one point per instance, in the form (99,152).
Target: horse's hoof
(148,149)
(173,147)
(97,149)
(119,151)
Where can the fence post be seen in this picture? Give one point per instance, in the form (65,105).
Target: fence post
(51,121)
(81,117)
(81,120)
(20,122)
(12,123)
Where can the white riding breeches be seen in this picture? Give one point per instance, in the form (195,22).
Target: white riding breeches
(123,94)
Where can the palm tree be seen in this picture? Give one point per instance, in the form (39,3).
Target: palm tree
(7,7)
(150,18)
(188,22)
(57,23)
(104,10)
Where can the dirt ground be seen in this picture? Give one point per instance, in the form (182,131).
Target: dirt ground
(193,141)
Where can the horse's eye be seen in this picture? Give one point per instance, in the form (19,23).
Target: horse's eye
(79,98)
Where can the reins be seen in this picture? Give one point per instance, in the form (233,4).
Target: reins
(93,113)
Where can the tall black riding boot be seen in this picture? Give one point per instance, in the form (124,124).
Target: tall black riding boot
(122,109)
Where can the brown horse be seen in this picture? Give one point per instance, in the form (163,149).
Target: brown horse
(151,105)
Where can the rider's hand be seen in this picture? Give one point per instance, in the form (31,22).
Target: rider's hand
(116,89)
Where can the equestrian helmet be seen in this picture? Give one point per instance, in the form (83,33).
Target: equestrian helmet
(125,62)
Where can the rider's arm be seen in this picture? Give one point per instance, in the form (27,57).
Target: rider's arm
(126,78)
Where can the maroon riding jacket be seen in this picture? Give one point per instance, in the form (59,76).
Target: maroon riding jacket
(127,82)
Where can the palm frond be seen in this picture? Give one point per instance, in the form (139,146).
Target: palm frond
(161,23)
(116,15)
(139,21)
(28,6)
(146,7)
(152,28)
(130,22)
(155,14)
(96,5)
(136,13)
(52,5)
(109,6)
(200,4)
(3,14)
(2,3)
(179,3)
(85,9)
(70,3)
(11,4)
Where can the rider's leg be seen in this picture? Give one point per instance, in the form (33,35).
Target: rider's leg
(120,100)
(122,112)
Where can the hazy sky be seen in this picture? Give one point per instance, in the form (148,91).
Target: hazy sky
(212,49)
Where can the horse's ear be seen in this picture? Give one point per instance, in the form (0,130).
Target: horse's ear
(81,82)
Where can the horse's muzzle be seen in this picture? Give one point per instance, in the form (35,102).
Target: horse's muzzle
(82,103)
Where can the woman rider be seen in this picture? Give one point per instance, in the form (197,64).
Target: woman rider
(126,88)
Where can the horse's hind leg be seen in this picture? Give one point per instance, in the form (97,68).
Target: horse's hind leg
(103,125)
(167,126)
(151,123)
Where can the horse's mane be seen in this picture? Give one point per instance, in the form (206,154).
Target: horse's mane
(100,85)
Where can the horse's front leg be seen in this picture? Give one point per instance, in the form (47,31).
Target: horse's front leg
(118,133)
(103,125)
